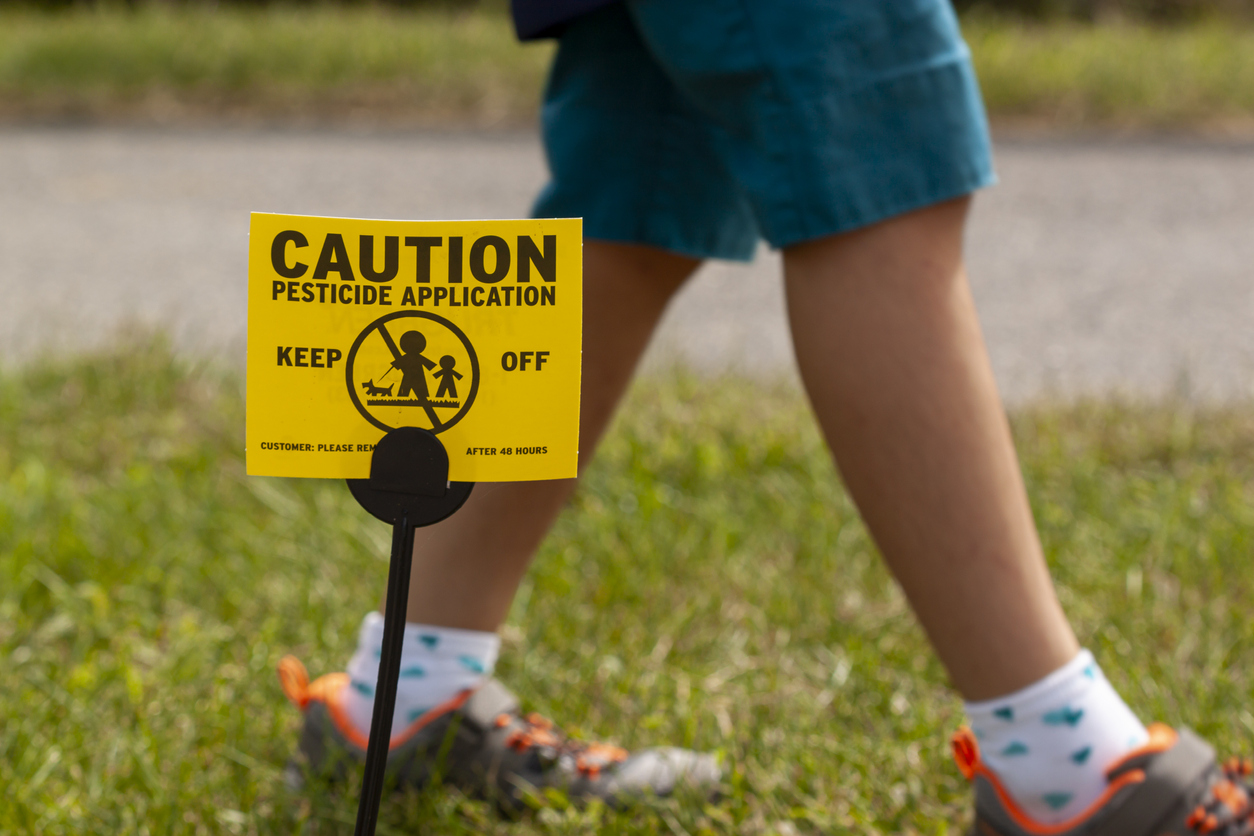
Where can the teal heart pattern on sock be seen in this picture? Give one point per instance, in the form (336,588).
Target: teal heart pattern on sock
(1064,716)
(1056,800)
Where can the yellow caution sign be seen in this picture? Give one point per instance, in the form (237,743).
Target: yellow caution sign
(470,329)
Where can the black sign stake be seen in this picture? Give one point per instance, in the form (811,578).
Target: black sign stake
(409,488)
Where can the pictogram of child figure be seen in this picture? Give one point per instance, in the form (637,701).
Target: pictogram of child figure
(447,377)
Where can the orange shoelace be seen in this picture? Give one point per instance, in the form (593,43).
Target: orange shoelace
(537,732)
(1229,811)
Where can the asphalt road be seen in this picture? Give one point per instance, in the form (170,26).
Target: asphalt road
(1097,266)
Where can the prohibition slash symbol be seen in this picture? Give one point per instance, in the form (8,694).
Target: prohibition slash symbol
(409,365)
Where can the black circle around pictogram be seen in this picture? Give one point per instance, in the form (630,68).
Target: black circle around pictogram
(457,332)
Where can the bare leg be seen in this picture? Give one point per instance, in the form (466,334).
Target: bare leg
(467,568)
(895,366)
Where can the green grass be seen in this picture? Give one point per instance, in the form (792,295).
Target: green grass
(710,586)
(369,64)
(328,62)
(1116,75)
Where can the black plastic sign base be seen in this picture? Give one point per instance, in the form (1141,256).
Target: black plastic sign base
(409,488)
(409,479)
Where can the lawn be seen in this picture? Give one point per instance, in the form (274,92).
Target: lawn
(365,65)
(362,64)
(710,586)
(1116,75)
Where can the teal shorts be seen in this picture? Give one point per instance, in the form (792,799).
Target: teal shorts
(700,127)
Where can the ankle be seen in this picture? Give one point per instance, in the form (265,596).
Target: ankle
(1051,742)
(437,663)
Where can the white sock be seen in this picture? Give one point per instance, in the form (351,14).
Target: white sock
(437,663)
(1050,744)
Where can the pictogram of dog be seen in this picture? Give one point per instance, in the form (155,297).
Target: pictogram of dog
(375,391)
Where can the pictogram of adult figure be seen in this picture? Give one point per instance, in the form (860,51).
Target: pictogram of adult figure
(413,365)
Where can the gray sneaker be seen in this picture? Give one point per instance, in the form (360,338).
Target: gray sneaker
(480,743)
(1172,786)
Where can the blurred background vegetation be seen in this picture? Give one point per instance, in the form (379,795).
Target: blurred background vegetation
(1096,11)
(1175,65)
(1153,11)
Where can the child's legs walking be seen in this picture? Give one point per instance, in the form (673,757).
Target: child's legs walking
(467,568)
(892,357)
(895,366)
